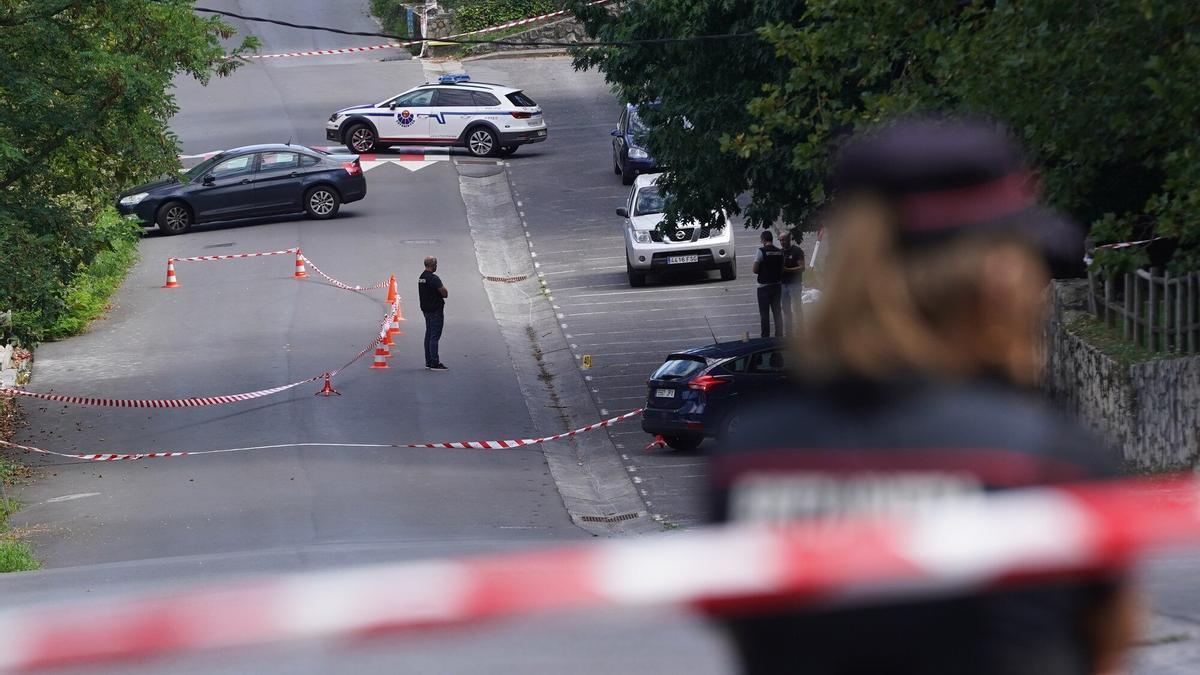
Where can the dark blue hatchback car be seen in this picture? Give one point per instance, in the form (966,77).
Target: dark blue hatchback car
(630,156)
(257,180)
(696,393)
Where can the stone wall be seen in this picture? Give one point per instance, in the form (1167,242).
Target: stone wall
(562,30)
(1151,410)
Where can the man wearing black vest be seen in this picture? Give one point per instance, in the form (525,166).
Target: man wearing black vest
(768,265)
(433,294)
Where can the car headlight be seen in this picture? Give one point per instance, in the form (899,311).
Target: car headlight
(334,117)
(134,200)
(638,153)
(641,237)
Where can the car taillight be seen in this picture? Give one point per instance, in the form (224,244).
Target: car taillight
(352,168)
(707,382)
(522,115)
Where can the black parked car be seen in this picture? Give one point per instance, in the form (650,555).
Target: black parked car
(257,180)
(696,393)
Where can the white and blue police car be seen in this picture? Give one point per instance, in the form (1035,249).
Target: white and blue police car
(486,119)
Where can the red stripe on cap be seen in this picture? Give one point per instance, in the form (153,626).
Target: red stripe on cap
(945,209)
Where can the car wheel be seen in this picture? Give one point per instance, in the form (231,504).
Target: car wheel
(481,142)
(683,442)
(731,426)
(728,272)
(174,218)
(321,202)
(627,176)
(360,138)
(508,150)
(636,279)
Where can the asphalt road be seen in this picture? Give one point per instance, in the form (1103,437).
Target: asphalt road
(569,194)
(245,325)
(237,326)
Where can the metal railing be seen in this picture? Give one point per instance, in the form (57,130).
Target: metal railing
(1160,313)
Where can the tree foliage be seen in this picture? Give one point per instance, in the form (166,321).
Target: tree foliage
(1102,93)
(84,105)
(472,15)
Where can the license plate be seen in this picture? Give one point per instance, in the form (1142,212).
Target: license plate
(682,259)
(665,393)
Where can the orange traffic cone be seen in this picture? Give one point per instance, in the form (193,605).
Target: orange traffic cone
(381,356)
(387,339)
(328,389)
(399,311)
(391,289)
(301,273)
(171,282)
(394,328)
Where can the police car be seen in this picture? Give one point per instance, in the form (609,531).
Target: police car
(486,119)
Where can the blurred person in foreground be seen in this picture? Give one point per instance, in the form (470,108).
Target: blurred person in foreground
(915,386)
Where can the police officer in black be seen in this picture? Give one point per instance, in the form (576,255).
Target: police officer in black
(917,385)
(768,265)
(433,294)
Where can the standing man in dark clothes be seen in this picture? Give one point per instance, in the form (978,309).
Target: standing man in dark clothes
(792,285)
(433,296)
(768,265)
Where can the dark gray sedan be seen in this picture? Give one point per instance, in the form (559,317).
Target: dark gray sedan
(257,180)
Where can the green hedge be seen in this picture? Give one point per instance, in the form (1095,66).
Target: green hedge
(472,15)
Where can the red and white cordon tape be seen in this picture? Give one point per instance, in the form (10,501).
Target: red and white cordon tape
(409,43)
(463,445)
(1000,540)
(200,401)
(235,256)
(341,284)
(194,402)
(1128,244)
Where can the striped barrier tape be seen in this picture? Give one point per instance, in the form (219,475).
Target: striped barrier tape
(1001,540)
(463,445)
(1128,244)
(410,43)
(341,284)
(286,251)
(235,256)
(195,401)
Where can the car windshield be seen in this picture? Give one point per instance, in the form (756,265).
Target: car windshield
(649,201)
(678,368)
(200,169)
(637,128)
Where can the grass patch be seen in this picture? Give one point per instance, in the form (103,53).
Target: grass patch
(393,16)
(15,555)
(89,292)
(1110,341)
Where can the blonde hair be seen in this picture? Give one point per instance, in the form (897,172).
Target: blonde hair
(959,308)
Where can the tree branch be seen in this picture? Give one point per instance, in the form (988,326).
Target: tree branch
(14,20)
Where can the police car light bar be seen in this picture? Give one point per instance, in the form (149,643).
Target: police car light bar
(453,78)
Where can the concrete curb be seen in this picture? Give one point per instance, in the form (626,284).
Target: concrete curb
(593,483)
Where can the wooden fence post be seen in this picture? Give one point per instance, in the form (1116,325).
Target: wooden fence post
(1128,313)
(1108,310)
(1193,329)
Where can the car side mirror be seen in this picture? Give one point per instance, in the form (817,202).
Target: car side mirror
(391,106)
(615,133)
(208,179)
(623,212)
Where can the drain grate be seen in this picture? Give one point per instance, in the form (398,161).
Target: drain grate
(508,280)
(609,519)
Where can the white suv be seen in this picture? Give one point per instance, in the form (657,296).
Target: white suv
(486,119)
(689,247)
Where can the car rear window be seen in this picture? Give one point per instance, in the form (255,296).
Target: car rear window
(678,367)
(484,98)
(519,99)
